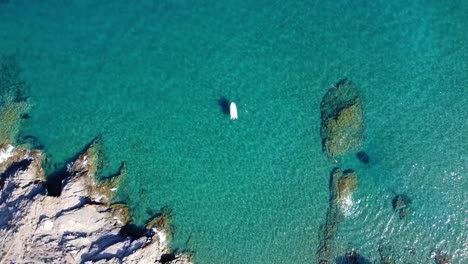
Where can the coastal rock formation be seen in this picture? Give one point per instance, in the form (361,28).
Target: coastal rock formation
(79,226)
(401,204)
(87,166)
(342,186)
(342,119)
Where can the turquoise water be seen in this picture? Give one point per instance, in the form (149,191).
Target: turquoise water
(147,78)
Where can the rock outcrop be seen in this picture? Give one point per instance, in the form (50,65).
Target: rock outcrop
(342,186)
(342,119)
(79,226)
(345,184)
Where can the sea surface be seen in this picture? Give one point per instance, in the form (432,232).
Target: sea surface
(147,77)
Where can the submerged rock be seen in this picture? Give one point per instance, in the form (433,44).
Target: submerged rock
(352,257)
(401,203)
(10,118)
(342,119)
(384,253)
(13,105)
(363,157)
(442,259)
(71,228)
(386,261)
(346,184)
(342,186)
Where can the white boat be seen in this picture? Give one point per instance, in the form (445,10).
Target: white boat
(233,111)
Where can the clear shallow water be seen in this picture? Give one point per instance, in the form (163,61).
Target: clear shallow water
(147,78)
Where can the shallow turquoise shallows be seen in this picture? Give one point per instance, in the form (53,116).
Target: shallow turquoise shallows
(148,76)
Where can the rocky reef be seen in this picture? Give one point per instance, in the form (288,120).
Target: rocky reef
(342,119)
(82,225)
(13,104)
(87,167)
(342,186)
(342,131)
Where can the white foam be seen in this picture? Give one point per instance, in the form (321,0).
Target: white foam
(162,236)
(5,154)
(347,206)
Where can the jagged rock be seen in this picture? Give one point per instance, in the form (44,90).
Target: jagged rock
(36,228)
(162,221)
(10,155)
(401,203)
(88,162)
(342,119)
(87,166)
(121,213)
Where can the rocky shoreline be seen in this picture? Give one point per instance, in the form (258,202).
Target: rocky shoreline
(81,225)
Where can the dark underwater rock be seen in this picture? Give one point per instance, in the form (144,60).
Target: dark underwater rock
(401,204)
(342,119)
(363,157)
(384,253)
(386,261)
(352,258)
(442,259)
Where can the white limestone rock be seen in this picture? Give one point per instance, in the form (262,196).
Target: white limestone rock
(35,228)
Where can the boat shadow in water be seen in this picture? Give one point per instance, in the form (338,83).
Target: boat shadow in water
(223,103)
